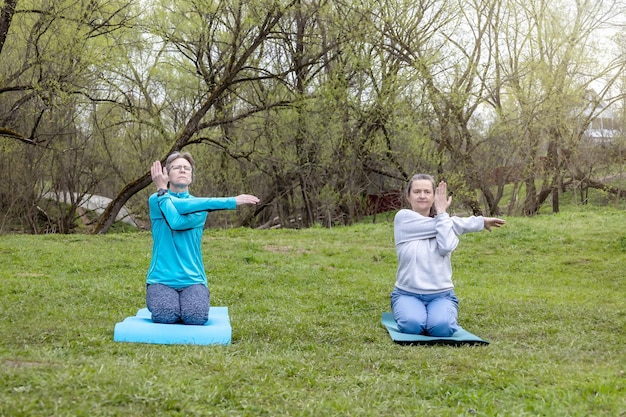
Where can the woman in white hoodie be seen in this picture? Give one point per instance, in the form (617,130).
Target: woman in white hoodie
(423,300)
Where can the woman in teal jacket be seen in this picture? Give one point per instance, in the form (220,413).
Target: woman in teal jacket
(177,288)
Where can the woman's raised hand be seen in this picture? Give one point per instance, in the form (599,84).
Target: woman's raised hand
(442,201)
(159,175)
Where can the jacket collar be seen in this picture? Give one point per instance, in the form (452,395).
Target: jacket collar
(183,194)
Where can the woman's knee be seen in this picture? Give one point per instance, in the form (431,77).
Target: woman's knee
(442,316)
(163,314)
(162,301)
(194,305)
(408,325)
(441,328)
(194,313)
(197,318)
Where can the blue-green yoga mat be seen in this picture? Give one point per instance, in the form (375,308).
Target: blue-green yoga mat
(460,337)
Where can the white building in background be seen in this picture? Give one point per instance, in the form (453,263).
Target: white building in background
(605,128)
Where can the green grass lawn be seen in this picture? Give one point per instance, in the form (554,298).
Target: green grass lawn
(305,305)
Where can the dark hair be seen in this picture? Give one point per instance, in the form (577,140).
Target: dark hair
(418,177)
(185,155)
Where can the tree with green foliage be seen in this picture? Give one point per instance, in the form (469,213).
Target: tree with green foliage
(50,53)
(314,105)
(548,61)
(219,44)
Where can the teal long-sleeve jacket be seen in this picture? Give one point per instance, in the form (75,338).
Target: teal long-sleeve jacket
(177,225)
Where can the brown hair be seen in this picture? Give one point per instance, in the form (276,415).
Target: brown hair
(418,177)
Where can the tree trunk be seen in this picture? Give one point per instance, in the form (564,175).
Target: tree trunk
(6,15)
(530,202)
(107,218)
(555,199)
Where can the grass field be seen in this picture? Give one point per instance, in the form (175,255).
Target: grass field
(547,292)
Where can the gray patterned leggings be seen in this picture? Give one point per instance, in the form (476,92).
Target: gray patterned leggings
(189,305)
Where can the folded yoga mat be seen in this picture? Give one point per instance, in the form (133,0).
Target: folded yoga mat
(141,329)
(460,337)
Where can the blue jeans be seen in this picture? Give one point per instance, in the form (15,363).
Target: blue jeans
(429,314)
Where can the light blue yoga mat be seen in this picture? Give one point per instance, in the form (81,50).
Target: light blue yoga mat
(460,337)
(141,329)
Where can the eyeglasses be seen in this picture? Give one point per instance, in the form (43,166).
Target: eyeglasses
(182,168)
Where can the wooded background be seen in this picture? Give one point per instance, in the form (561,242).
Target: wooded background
(322,108)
